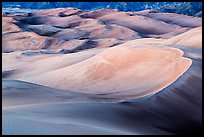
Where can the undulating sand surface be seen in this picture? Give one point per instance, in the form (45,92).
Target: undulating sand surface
(191,38)
(69,71)
(109,71)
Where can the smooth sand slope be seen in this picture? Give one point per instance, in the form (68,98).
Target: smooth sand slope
(17,93)
(191,38)
(157,114)
(109,69)
(68,71)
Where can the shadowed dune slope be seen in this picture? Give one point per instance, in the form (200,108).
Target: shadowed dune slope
(157,114)
(17,93)
(51,28)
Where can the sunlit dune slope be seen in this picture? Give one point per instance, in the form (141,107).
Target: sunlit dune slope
(191,38)
(135,71)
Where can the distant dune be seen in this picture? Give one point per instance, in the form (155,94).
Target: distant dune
(52,28)
(191,38)
(70,71)
(171,18)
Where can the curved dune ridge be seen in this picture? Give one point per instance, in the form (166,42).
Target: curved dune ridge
(191,38)
(70,71)
(110,69)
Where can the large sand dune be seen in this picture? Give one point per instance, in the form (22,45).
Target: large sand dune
(69,71)
(110,69)
(157,114)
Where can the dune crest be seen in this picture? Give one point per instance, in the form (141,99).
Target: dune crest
(120,69)
(191,38)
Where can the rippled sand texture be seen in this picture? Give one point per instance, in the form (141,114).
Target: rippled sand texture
(69,71)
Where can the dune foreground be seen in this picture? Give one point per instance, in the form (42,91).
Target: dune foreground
(69,71)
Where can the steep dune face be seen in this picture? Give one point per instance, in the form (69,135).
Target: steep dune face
(109,71)
(191,38)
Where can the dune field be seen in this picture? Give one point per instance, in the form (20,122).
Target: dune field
(70,71)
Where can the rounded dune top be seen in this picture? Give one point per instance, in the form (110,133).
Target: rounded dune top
(120,72)
(144,42)
(191,38)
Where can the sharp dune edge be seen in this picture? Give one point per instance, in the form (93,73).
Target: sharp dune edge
(69,71)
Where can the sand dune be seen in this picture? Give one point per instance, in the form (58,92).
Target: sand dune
(47,12)
(50,28)
(62,12)
(139,24)
(98,13)
(107,42)
(44,30)
(153,115)
(70,11)
(110,70)
(68,71)
(28,66)
(22,41)
(191,38)
(172,18)
(144,42)
(28,93)
(9,27)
